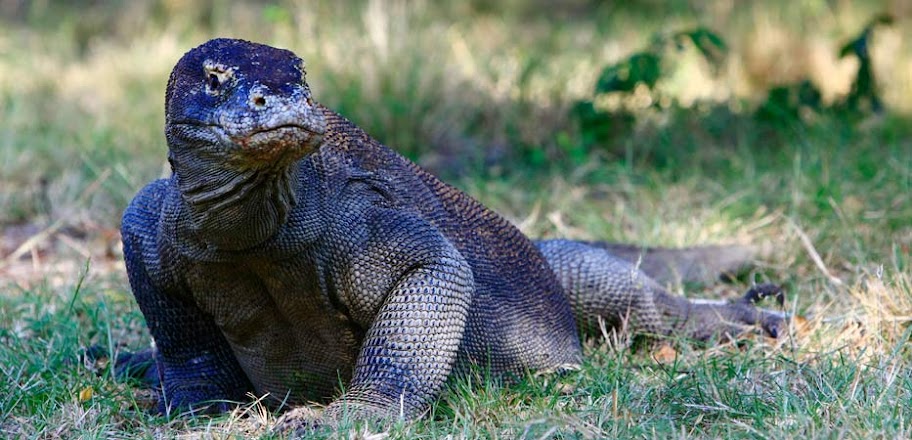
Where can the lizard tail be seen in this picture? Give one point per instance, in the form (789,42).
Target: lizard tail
(701,264)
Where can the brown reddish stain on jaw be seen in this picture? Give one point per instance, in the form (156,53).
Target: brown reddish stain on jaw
(276,144)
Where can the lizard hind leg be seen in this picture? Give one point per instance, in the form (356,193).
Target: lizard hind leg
(600,285)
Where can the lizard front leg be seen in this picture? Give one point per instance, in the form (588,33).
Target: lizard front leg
(411,347)
(197,369)
(411,290)
(195,366)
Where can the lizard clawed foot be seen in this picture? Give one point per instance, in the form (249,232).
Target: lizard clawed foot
(302,421)
(773,323)
(734,318)
(298,422)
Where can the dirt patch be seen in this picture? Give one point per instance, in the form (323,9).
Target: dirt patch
(31,253)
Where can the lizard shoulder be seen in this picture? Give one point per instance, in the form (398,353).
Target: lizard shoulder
(143,214)
(141,228)
(379,241)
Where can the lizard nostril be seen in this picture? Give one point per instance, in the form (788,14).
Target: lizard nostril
(259,101)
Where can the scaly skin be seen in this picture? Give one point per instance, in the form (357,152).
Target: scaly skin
(290,252)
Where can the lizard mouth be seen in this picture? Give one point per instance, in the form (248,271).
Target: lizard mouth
(281,143)
(285,135)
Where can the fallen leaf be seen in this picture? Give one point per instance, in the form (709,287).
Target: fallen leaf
(665,354)
(86,394)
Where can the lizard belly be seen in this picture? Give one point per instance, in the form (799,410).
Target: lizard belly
(289,340)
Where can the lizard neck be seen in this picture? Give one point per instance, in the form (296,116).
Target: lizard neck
(234,209)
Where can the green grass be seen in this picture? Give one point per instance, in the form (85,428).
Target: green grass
(482,96)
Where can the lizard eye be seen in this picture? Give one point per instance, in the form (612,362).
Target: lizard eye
(213,82)
(217,77)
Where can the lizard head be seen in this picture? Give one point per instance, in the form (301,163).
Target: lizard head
(242,105)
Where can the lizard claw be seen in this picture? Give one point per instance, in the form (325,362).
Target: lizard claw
(759,292)
(774,329)
(772,322)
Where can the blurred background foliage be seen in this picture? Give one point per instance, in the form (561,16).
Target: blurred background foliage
(466,88)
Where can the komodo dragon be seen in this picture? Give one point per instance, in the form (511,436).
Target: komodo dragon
(290,252)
